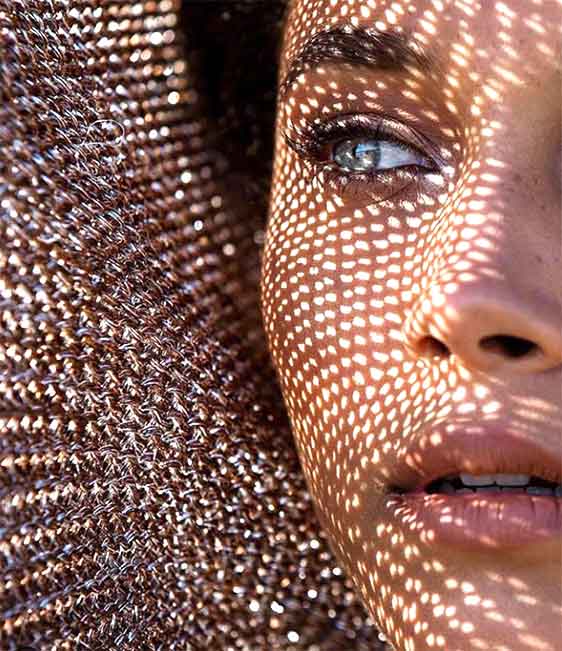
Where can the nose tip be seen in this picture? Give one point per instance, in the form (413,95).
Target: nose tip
(485,330)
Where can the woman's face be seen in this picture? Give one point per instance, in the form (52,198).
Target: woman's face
(411,295)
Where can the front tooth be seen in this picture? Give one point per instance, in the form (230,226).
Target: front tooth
(477,480)
(512,480)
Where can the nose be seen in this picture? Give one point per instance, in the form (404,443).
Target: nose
(491,329)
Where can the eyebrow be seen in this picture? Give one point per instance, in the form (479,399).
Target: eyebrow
(382,50)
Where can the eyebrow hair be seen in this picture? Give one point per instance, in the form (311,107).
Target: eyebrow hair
(383,50)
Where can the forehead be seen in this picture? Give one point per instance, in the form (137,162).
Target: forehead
(514,39)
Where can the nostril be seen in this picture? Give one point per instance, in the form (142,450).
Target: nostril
(432,347)
(508,345)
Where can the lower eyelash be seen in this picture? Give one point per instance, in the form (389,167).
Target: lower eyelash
(367,184)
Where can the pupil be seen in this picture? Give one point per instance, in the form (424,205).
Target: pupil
(366,154)
(357,155)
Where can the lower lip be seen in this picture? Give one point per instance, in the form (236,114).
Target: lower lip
(480,521)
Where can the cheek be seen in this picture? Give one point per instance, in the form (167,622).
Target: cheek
(337,281)
(338,277)
(333,288)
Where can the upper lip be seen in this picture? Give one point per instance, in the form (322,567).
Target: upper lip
(479,449)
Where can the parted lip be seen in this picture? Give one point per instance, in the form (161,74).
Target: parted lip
(477,449)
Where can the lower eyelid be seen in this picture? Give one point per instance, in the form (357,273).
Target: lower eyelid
(365,183)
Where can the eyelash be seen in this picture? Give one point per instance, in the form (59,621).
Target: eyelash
(312,140)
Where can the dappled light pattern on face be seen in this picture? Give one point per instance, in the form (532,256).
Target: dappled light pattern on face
(411,295)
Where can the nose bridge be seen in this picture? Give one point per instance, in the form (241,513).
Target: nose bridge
(491,287)
(516,195)
(512,192)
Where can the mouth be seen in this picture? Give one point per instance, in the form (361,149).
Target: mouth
(483,489)
(504,484)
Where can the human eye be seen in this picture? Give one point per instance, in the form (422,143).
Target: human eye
(366,155)
(376,154)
